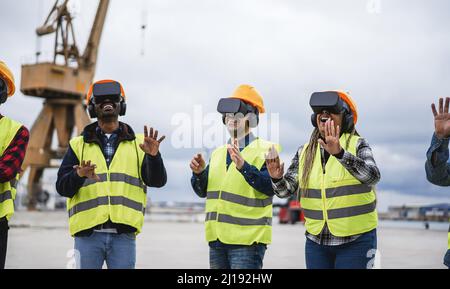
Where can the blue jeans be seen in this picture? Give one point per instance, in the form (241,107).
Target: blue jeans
(117,250)
(223,256)
(447,259)
(354,255)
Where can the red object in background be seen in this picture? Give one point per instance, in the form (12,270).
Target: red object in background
(291,213)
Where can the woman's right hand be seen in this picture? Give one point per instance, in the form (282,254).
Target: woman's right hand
(275,168)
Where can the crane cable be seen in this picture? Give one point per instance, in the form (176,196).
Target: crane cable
(143,25)
(38,39)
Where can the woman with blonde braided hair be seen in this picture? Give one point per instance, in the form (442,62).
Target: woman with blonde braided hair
(334,175)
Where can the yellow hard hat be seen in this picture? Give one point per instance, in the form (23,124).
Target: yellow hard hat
(8,77)
(250,95)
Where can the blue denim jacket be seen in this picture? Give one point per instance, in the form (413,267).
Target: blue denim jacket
(438,168)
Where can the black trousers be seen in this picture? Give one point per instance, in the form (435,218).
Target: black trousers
(3,241)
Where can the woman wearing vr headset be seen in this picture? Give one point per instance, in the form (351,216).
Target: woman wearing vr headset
(13,144)
(237,187)
(335,176)
(104,175)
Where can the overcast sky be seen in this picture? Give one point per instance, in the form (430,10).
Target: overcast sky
(394,61)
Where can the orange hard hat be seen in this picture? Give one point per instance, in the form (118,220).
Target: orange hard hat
(345,96)
(89,94)
(249,94)
(8,77)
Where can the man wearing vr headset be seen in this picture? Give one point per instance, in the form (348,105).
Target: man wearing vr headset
(335,175)
(437,166)
(104,175)
(13,144)
(237,187)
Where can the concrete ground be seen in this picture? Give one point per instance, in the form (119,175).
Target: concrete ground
(41,240)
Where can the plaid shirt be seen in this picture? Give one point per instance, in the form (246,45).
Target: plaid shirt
(362,167)
(108,143)
(12,158)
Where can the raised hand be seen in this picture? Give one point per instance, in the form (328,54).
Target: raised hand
(275,168)
(332,135)
(151,141)
(442,118)
(235,154)
(198,164)
(87,170)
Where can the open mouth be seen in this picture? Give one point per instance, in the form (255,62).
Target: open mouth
(107,106)
(324,118)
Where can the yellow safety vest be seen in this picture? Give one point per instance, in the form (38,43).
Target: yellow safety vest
(8,130)
(336,197)
(236,213)
(120,195)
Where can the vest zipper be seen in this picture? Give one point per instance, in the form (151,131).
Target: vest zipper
(219,205)
(108,178)
(323,192)
(109,193)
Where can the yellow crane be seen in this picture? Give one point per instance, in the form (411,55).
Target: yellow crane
(63,86)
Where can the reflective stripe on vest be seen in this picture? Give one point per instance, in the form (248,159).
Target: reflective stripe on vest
(8,130)
(213,216)
(5,196)
(119,195)
(14,183)
(340,191)
(117,177)
(341,213)
(241,200)
(102,201)
(336,198)
(236,213)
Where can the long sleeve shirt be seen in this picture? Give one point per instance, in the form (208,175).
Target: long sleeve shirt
(12,158)
(259,179)
(437,165)
(362,167)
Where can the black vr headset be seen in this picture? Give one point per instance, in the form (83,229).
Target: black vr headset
(236,106)
(331,102)
(3,91)
(104,91)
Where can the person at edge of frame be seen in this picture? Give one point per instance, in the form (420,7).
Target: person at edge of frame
(437,166)
(13,145)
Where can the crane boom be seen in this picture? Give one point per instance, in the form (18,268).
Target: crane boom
(64,86)
(89,57)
